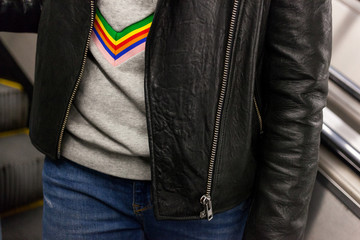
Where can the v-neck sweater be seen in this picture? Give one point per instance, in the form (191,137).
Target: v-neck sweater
(106,130)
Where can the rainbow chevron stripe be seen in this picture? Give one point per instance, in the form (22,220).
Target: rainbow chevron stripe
(117,47)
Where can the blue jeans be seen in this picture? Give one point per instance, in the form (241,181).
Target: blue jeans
(80,203)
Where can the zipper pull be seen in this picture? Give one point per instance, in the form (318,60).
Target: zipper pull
(207,212)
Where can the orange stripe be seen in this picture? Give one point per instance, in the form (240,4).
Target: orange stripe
(130,43)
(107,41)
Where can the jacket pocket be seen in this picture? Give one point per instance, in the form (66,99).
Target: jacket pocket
(258,114)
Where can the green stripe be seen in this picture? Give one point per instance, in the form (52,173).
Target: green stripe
(118,35)
(135,26)
(108,28)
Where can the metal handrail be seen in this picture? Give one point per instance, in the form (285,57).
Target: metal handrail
(339,192)
(353,4)
(345,83)
(341,147)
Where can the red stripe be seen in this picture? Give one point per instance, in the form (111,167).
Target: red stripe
(132,37)
(103,33)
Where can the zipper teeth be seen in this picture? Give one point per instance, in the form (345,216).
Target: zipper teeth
(92,5)
(221,98)
(258,115)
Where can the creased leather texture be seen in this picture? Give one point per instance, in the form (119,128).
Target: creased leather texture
(296,61)
(182,86)
(63,32)
(280,54)
(19,15)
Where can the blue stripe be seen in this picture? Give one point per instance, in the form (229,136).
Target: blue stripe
(130,47)
(104,45)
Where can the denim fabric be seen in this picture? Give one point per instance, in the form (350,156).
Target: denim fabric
(80,203)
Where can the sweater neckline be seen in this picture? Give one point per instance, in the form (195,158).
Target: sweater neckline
(118,47)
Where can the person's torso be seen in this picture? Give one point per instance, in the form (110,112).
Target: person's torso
(188,44)
(106,129)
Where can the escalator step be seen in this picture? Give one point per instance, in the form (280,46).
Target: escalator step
(20,172)
(13,107)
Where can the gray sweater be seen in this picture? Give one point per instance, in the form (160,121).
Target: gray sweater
(106,130)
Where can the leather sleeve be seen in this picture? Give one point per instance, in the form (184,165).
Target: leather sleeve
(19,15)
(295,74)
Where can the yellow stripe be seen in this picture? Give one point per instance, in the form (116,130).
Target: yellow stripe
(14,132)
(134,32)
(103,28)
(124,37)
(21,209)
(11,84)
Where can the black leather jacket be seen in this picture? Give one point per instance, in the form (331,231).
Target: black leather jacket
(234,95)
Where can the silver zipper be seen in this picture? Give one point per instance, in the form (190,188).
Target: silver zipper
(92,6)
(206,198)
(259,116)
